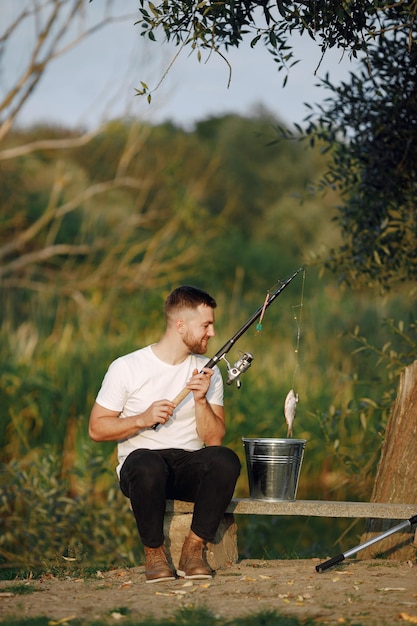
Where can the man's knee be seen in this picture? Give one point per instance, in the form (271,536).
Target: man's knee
(143,464)
(225,461)
(233,462)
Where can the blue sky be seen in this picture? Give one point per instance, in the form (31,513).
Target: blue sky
(96,80)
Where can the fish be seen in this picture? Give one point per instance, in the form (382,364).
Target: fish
(290,408)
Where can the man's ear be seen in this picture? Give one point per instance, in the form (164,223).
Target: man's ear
(179,324)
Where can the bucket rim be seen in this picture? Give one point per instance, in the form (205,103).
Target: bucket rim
(273,440)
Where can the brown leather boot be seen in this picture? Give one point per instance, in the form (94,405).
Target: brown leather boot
(192,562)
(157,568)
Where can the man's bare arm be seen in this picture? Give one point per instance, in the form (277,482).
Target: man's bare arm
(209,418)
(106,425)
(210,423)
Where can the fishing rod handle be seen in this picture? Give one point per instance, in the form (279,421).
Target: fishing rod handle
(327,564)
(177,400)
(181,396)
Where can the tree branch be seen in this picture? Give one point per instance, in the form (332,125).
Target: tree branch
(48,144)
(43,255)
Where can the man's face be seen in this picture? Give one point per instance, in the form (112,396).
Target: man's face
(198,328)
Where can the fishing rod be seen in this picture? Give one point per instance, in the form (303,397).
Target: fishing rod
(244,362)
(345,555)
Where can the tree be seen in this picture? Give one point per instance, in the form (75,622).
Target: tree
(217,26)
(52,28)
(369,126)
(68,229)
(65,234)
(396,479)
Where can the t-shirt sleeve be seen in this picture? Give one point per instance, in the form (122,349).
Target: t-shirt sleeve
(114,391)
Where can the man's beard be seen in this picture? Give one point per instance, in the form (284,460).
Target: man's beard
(195,346)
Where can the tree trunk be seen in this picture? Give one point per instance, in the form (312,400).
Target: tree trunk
(396,479)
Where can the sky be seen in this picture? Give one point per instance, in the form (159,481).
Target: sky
(96,80)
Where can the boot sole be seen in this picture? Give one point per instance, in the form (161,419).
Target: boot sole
(160,580)
(194,576)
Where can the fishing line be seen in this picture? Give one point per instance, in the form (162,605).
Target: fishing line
(265,304)
(259,324)
(298,323)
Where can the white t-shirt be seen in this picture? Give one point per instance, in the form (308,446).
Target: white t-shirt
(135,380)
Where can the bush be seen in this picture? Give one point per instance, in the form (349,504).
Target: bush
(48,517)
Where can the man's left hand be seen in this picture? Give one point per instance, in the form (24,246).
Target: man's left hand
(199,382)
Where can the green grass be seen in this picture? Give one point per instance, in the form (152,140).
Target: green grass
(183,617)
(19,589)
(73,570)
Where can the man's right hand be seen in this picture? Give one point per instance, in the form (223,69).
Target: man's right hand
(158,413)
(107,425)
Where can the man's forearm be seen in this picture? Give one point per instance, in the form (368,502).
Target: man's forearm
(210,423)
(111,428)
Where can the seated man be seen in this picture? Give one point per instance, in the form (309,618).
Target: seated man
(169,450)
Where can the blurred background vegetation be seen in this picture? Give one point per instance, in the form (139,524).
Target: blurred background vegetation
(93,235)
(98,226)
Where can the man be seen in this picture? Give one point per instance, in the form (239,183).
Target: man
(169,451)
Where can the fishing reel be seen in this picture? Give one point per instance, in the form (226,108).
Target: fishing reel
(238,368)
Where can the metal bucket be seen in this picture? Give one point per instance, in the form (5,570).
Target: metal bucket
(273,467)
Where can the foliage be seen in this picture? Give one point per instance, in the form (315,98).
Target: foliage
(339,425)
(399,351)
(122,219)
(370,124)
(52,518)
(213,25)
(63,239)
(54,494)
(57,344)
(96,227)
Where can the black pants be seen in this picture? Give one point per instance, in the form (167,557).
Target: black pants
(206,477)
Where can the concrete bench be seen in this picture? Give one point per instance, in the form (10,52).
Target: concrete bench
(224,550)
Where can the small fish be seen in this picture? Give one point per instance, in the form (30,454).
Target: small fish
(290,408)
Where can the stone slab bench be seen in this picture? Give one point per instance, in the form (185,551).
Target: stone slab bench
(315,508)
(224,550)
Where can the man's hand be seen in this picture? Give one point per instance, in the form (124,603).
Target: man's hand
(199,383)
(158,413)
(106,425)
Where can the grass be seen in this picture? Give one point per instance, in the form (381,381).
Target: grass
(73,570)
(19,589)
(183,617)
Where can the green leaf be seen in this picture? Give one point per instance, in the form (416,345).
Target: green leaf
(255,41)
(281,8)
(154,10)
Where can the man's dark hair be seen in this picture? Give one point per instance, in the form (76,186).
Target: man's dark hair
(187,297)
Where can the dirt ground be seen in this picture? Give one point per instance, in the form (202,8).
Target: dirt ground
(354,592)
